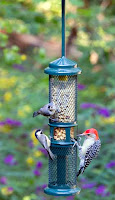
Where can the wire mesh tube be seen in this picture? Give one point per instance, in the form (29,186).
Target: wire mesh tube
(63,169)
(63,92)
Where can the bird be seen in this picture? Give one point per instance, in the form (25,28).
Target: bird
(45,142)
(89,150)
(47,110)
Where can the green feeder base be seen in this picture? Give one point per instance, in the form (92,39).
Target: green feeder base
(61,192)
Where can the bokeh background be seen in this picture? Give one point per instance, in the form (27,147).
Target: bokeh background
(30,37)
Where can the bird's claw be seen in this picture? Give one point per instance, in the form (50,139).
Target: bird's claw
(75,142)
(72,139)
(50,137)
(79,139)
(53,120)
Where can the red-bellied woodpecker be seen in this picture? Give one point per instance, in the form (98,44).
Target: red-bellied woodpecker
(89,149)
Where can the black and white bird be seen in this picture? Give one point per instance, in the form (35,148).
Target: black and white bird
(45,142)
(48,110)
(89,150)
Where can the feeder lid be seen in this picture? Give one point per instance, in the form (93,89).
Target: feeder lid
(63,66)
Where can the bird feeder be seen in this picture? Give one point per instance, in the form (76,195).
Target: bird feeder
(63,92)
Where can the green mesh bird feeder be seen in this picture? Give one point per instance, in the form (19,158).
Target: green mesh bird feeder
(63,92)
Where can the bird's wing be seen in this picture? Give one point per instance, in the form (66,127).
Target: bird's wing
(44,111)
(46,142)
(91,153)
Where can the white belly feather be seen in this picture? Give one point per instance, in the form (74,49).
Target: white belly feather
(87,143)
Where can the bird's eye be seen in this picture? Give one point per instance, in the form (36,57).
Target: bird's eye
(88,134)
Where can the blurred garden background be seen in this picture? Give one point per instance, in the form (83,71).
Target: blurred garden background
(30,37)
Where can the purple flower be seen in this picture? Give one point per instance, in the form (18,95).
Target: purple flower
(81,86)
(30,144)
(38,189)
(13,122)
(19,67)
(10,122)
(36,172)
(88,105)
(104,112)
(2,123)
(3,180)
(10,189)
(39,164)
(70,198)
(88,185)
(9,160)
(101,191)
(43,151)
(100,111)
(110,164)
(41,188)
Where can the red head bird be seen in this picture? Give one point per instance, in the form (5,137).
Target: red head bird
(90,133)
(89,149)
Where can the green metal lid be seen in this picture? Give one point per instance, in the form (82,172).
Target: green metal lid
(63,66)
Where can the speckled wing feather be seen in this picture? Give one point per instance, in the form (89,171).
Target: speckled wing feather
(91,153)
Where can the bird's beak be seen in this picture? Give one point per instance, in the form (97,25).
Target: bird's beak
(35,114)
(82,134)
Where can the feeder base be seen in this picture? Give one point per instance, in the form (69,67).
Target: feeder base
(61,192)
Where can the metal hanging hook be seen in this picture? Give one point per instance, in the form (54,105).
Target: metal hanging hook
(63,28)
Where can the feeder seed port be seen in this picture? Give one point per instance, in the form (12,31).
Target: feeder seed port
(60,133)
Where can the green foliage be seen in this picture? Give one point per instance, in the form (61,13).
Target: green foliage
(3,39)
(78,3)
(24,89)
(11,56)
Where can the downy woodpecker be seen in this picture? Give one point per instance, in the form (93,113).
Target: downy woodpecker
(89,149)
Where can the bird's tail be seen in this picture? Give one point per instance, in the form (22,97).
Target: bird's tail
(81,170)
(36,113)
(51,155)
